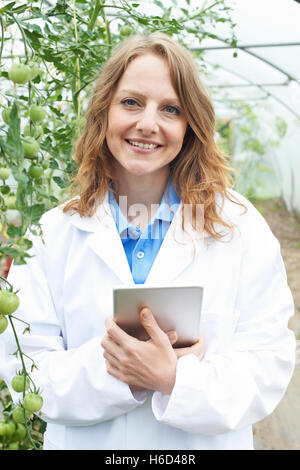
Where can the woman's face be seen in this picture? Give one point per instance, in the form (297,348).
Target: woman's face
(146,123)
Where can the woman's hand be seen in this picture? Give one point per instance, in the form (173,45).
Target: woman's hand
(141,364)
(145,364)
(198,349)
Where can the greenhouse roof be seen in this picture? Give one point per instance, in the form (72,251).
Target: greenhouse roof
(268,53)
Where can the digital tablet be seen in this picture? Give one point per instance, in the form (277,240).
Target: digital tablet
(174,307)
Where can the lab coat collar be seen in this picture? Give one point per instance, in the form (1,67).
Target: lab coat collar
(165,212)
(176,253)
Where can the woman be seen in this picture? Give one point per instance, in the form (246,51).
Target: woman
(149,140)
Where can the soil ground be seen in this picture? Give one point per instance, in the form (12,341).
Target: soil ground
(281,430)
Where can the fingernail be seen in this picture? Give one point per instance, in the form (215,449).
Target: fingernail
(146,313)
(172,336)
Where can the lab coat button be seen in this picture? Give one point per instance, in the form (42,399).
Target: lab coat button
(140,254)
(133,233)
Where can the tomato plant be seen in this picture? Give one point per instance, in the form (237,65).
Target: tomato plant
(20,383)
(19,73)
(11,201)
(30,146)
(4,173)
(37,113)
(3,323)
(35,171)
(126,30)
(9,302)
(34,131)
(33,402)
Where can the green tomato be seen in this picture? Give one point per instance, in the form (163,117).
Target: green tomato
(36,131)
(19,433)
(13,446)
(3,323)
(2,428)
(19,73)
(5,189)
(35,171)
(125,30)
(18,381)
(33,402)
(9,302)
(18,414)
(34,71)
(10,201)
(10,428)
(4,173)
(45,164)
(6,115)
(37,113)
(31,148)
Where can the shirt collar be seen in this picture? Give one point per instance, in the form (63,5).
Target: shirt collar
(167,208)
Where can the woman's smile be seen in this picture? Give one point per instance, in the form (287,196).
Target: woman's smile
(142,146)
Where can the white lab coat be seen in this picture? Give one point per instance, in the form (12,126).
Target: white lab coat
(66,294)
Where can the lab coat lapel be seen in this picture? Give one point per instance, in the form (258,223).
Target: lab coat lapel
(105,241)
(176,252)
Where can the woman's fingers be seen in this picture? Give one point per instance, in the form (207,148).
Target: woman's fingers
(172,335)
(198,349)
(150,324)
(111,359)
(111,347)
(116,333)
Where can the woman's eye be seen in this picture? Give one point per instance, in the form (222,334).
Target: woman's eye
(129,102)
(172,109)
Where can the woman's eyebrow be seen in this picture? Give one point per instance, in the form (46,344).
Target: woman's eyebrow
(141,95)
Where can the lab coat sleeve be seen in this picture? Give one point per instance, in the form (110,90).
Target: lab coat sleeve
(74,383)
(243,383)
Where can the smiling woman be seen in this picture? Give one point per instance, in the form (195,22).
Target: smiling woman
(150,90)
(149,139)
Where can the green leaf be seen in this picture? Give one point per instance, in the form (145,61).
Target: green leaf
(13,141)
(7,7)
(53,164)
(20,9)
(13,231)
(61,182)
(159,4)
(19,174)
(32,27)
(34,212)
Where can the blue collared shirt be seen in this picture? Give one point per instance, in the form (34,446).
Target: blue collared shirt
(141,247)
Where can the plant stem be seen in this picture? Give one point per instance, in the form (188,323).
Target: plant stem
(23,36)
(25,373)
(77,59)
(2,37)
(107,31)
(5,280)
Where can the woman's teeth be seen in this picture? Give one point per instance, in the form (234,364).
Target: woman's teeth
(143,146)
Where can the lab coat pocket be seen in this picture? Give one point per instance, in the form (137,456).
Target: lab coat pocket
(218,329)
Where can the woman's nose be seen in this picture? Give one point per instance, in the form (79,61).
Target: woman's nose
(147,122)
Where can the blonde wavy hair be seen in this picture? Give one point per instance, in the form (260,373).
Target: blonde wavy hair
(199,171)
